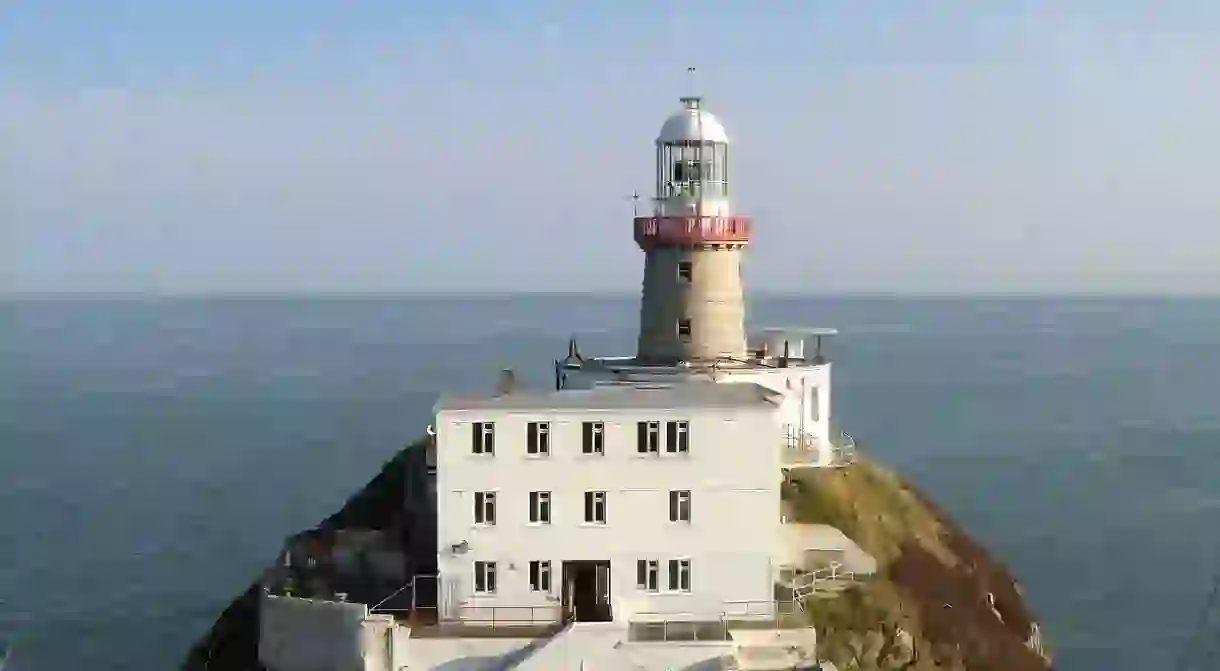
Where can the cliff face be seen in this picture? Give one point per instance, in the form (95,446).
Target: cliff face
(937,601)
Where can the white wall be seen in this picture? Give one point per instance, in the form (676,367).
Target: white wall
(732,473)
(309,635)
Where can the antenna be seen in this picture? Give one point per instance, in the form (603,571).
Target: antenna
(635,203)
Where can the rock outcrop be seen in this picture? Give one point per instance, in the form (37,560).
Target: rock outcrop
(936,601)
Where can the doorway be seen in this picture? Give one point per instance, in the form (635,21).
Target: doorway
(586,590)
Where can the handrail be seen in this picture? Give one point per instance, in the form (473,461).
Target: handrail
(473,614)
(688,626)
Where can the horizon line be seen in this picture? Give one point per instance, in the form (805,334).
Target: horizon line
(47,296)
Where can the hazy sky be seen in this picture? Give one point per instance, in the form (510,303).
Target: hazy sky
(297,145)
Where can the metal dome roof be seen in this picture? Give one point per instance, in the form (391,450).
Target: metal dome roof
(692,124)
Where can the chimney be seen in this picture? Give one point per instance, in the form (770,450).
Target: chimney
(507,383)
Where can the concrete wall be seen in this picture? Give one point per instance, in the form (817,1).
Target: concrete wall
(732,472)
(309,635)
(712,300)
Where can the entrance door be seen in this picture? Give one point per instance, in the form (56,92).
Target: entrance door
(586,590)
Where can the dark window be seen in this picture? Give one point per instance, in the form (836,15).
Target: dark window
(484,507)
(679,575)
(538,438)
(648,439)
(677,437)
(595,507)
(684,271)
(646,572)
(484,438)
(684,328)
(485,577)
(592,440)
(540,507)
(679,505)
(540,576)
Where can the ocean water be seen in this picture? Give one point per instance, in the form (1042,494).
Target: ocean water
(153,454)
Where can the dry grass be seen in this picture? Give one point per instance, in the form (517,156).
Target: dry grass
(932,579)
(872,506)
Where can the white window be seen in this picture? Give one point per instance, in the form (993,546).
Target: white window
(593,438)
(677,437)
(540,507)
(684,271)
(485,508)
(679,575)
(595,507)
(648,437)
(679,505)
(684,328)
(484,438)
(538,438)
(485,577)
(646,574)
(540,576)
(815,409)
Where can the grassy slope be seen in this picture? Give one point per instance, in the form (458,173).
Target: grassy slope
(932,581)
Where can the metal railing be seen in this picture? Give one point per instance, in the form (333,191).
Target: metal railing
(802,448)
(667,626)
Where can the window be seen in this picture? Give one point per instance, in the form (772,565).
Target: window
(648,437)
(593,438)
(677,437)
(684,271)
(540,507)
(814,406)
(485,577)
(540,576)
(595,507)
(646,572)
(538,438)
(679,505)
(485,508)
(684,328)
(484,438)
(679,575)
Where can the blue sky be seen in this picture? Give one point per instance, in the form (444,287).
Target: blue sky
(223,146)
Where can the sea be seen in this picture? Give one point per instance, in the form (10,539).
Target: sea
(155,452)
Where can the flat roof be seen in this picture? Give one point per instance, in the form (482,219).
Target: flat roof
(809,331)
(641,396)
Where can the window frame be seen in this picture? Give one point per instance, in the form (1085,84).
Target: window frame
(677,436)
(686,271)
(540,575)
(593,438)
(483,439)
(540,502)
(591,501)
(648,437)
(679,572)
(684,328)
(485,577)
(485,501)
(648,575)
(678,500)
(538,439)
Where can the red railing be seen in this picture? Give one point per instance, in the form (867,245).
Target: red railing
(693,230)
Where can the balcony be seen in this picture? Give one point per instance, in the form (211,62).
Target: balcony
(803,450)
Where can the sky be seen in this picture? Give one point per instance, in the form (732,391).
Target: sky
(229,146)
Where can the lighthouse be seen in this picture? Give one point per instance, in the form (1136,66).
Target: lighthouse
(691,304)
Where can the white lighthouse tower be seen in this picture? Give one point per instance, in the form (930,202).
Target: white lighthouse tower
(691,308)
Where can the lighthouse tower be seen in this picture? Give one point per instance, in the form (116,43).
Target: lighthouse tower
(691,308)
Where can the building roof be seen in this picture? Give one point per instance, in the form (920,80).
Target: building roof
(691,394)
(692,124)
